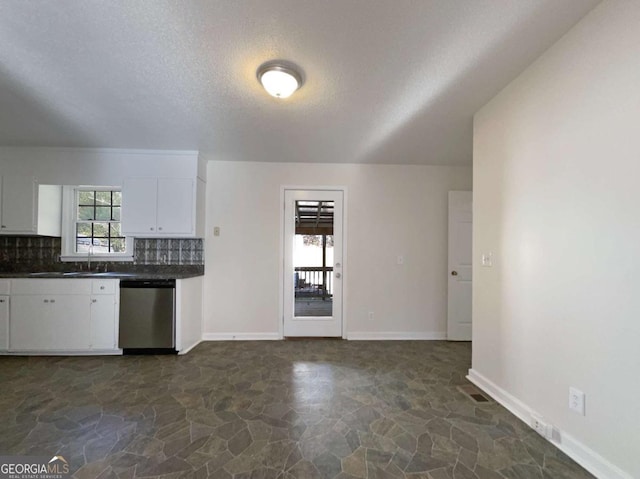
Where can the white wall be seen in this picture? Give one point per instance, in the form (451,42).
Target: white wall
(403,207)
(556,199)
(87,166)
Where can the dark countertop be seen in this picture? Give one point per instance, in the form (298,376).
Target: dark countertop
(102,271)
(98,275)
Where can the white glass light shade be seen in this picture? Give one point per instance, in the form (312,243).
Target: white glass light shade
(279,81)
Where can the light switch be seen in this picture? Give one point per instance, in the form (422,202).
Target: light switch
(487,260)
(216,231)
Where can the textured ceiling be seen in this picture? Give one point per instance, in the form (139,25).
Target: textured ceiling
(387,81)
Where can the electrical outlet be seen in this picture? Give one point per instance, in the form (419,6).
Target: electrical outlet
(487,260)
(576,401)
(216,231)
(540,426)
(400,259)
(370,315)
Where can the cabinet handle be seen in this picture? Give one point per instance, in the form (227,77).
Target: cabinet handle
(46,300)
(1,300)
(53,300)
(3,226)
(94,300)
(151,229)
(101,287)
(160,228)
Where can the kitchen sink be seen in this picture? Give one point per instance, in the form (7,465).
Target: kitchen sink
(48,273)
(113,273)
(88,274)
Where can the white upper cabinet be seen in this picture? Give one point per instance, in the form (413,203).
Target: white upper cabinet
(176,201)
(153,207)
(19,204)
(28,208)
(139,206)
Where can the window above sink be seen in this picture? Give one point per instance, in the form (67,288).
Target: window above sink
(91,228)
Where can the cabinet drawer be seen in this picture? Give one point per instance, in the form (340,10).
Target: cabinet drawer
(51,286)
(104,286)
(5,286)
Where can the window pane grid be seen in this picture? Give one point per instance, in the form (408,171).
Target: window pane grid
(98,222)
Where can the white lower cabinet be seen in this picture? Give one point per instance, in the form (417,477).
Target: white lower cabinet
(103,325)
(58,315)
(49,322)
(4,323)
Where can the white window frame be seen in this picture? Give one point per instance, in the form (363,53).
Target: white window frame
(69,204)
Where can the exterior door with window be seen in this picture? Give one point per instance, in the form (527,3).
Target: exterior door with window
(313,262)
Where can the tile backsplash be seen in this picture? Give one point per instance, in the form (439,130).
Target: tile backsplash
(168,251)
(29,249)
(40,251)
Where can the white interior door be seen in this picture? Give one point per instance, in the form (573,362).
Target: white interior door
(313,263)
(459,297)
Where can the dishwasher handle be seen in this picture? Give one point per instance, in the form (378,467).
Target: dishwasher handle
(148,283)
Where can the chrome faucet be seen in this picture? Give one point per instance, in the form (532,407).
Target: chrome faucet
(89,257)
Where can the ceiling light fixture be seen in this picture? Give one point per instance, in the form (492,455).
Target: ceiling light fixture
(280,79)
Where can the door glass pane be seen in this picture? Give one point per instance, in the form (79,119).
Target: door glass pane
(313,258)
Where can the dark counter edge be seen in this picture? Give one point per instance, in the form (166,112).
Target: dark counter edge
(165,272)
(99,276)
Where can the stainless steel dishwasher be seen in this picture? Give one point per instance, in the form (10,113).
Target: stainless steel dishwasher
(147,316)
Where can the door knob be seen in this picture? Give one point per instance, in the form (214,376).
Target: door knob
(338,265)
(454,273)
(338,275)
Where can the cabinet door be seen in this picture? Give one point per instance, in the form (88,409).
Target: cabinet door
(19,204)
(49,323)
(33,325)
(139,206)
(4,323)
(175,206)
(103,321)
(72,313)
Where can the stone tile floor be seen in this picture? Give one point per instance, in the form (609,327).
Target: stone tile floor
(288,409)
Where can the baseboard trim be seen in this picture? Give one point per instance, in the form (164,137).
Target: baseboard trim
(84,352)
(396,336)
(576,450)
(240,336)
(353,336)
